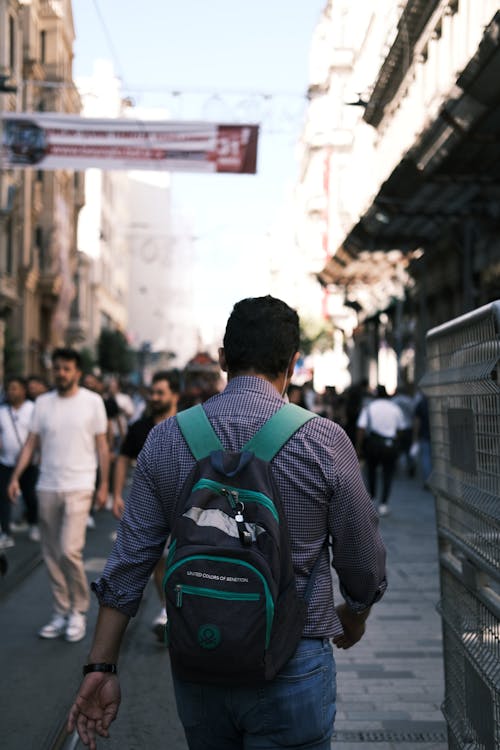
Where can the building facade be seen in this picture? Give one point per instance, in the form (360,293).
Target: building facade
(413,199)
(134,248)
(103,226)
(38,209)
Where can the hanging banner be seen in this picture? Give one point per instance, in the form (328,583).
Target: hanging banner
(49,140)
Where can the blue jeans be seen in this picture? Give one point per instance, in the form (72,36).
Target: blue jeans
(296,709)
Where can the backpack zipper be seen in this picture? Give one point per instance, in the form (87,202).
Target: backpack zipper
(213,558)
(182,589)
(244,495)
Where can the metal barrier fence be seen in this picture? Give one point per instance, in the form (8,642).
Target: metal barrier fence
(462,385)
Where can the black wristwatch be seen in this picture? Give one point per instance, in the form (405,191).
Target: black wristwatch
(102,667)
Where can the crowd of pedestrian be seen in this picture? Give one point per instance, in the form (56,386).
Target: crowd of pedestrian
(66,451)
(393,433)
(390,432)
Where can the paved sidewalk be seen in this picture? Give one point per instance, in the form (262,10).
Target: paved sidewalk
(390,686)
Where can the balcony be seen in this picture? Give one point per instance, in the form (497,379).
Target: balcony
(77,330)
(8,292)
(49,284)
(51,8)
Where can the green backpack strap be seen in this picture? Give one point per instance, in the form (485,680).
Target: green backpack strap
(273,435)
(198,432)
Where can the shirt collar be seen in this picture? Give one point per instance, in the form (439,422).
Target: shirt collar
(252,384)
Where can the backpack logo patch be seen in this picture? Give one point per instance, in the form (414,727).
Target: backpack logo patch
(209,636)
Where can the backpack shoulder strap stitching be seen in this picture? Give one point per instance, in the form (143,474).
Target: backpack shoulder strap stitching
(198,432)
(278,429)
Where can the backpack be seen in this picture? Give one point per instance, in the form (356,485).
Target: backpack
(234,615)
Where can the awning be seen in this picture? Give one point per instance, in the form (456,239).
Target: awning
(452,172)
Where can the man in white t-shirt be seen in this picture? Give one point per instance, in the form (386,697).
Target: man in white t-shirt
(69,428)
(15,420)
(379,428)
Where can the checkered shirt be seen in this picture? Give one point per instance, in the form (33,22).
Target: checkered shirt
(321,487)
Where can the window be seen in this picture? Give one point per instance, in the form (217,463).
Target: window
(43,46)
(9,262)
(39,244)
(12,45)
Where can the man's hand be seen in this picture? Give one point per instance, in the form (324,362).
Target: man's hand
(353,625)
(118,506)
(101,496)
(13,490)
(95,707)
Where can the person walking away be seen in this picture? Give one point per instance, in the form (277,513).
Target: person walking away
(406,403)
(422,437)
(95,383)
(163,401)
(356,397)
(120,408)
(15,419)
(318,477)
(69,427)
(379,426)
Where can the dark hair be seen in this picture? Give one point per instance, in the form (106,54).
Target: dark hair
(70,355)
(262,335)
(92,375)
(37,379)
(171,376)
(17,379)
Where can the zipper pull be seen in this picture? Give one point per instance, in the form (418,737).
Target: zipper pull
(178,595)
(245,536)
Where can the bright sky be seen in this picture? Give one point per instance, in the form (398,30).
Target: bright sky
(215,46)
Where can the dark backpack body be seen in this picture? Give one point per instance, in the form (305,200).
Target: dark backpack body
(234,615)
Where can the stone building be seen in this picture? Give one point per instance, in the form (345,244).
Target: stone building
(38,209)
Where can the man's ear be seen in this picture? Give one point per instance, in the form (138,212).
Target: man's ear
(222,359)
(293,362)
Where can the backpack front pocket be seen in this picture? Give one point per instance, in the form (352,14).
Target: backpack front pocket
(218,606)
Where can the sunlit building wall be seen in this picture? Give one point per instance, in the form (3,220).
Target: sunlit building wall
(38,209)
(103,224)
(447,44)
(141,268)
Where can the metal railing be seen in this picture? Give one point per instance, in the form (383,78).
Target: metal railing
(462,385)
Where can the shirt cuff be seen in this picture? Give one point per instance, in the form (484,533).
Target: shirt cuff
(358,606)
(113,599)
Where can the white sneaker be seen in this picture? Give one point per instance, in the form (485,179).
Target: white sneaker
(6,541)
(383,509)
(76,627)
(34,533)
(159,625)
(54,628)
(90,522)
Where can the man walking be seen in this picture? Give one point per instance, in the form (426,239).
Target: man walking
(164,396)
(317,473)
(380,425)
(69,427)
